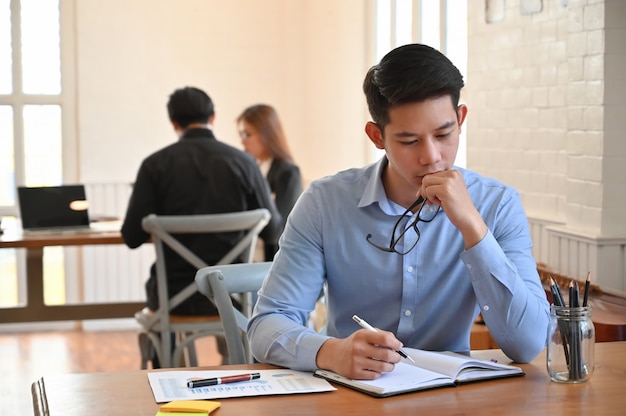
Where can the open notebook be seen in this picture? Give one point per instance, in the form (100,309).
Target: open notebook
(430,370)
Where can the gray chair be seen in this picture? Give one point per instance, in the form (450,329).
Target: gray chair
(219,283)
(158,326)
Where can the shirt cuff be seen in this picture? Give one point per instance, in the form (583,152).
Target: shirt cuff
(485,262)
(308,349)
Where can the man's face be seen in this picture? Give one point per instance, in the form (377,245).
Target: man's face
(420,139)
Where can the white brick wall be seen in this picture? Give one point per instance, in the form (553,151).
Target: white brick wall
(518,87)
(546,93)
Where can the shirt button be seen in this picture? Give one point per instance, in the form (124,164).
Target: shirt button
(407,313)
(409,269)
(469,266)
(486,307)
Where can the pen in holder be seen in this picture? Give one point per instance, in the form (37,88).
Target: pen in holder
(571,343)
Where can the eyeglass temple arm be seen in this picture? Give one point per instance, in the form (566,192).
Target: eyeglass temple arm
(416,203)
(409,209)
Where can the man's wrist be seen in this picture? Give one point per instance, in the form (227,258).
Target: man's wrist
(324,355)
(474,234)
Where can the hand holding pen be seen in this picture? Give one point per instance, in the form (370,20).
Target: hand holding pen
(363,323)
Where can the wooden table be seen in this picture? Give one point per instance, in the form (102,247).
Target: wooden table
(35,308)
(129,393)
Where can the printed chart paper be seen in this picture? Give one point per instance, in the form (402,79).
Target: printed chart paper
(172,385)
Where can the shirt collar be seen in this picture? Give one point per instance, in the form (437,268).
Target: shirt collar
(374,191)
(265,166)
(196,132)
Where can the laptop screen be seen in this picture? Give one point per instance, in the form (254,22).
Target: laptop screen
(53,206)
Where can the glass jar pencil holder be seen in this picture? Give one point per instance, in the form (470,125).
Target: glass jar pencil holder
(571,344)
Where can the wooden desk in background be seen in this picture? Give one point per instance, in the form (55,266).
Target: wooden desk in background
(608,311)
(129,393)
(35,309)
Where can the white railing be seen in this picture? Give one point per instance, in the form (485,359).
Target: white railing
(574,254)
(111,273)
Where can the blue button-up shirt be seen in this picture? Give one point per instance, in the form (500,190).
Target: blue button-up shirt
(429,297)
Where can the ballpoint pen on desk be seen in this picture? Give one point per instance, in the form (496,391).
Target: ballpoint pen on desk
(222,380)
(365,325)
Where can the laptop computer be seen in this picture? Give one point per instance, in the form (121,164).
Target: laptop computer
(53,208)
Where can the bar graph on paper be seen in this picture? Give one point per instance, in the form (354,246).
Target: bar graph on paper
(172,385)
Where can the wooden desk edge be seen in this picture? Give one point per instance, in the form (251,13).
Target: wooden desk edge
(71,312)
(78,239)
(605,395)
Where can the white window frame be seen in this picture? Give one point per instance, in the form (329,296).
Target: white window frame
(66,99)
(70,155)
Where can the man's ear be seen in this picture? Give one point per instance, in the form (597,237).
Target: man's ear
(175,125)
(375,135)
(461,114)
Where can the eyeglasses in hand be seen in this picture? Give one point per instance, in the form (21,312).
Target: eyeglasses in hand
(424,215)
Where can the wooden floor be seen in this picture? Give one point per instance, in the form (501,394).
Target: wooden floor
(25,357)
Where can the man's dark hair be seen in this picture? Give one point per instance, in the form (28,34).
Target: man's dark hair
(189,105)
(408,74)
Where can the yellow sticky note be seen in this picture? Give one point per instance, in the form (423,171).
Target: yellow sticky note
(188,407)
(159,413)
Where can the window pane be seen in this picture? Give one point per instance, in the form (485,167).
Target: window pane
(53,276)
(6,61)
(41,47)
(8,283)
(404,23)
(42,145)
(383,28)
(456,39)
(429,20)
(456,50)
(53,272)
(7,168)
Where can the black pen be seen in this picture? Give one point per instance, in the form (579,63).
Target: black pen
(222,380)
(587,283)
(556,298)
(558,292)
(365,325)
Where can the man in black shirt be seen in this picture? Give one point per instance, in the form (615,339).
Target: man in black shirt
(196,175)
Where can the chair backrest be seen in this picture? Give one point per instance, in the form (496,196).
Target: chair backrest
(218,283)
(161,228)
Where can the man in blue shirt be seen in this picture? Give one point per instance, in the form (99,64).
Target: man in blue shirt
(412,244)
